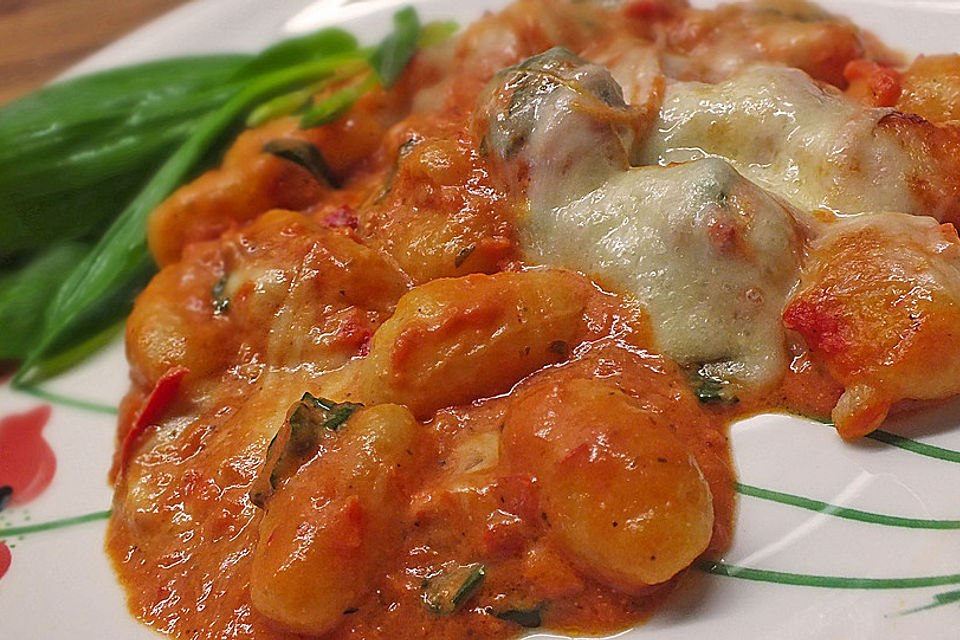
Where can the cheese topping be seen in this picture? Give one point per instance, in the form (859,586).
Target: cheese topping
(710,256)
(804,141)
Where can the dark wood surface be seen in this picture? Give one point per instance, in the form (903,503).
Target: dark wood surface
(41,38)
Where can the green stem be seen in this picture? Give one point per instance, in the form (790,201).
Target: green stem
(121,256)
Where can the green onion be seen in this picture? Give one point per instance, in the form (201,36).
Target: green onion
(25,294)
(391,57)
(314,46)
(336,104)
(74,154)
(283,105)
(437,32)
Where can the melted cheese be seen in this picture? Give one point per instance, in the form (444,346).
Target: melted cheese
(809,144)
(561,116)
(710,256)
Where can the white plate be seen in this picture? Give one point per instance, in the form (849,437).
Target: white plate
(60,584)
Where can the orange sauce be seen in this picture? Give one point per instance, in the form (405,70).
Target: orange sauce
(190,577)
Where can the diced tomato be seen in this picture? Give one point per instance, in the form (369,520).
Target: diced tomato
(872,84)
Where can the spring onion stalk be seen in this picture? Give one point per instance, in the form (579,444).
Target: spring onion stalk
(138,116)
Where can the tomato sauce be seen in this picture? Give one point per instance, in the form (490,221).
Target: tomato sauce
(190,575)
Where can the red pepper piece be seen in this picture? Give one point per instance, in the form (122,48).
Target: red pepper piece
(157,402)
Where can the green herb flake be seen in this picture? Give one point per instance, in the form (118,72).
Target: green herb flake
(308,421)
(447,591)
(528,618)
(306,155)
(710,389)
(463,254)
(220,302)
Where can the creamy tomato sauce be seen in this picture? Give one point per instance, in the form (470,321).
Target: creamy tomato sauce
(412,401)
(191,539)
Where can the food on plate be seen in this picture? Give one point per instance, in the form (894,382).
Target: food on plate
(810,144)
(880,304)
(456,356)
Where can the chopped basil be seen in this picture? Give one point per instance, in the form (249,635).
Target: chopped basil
(306,155)
(711,389)
(528,618)
(463,255)
(220,302)
(308,421)
(446,592)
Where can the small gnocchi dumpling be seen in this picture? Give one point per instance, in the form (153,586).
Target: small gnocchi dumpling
(328,525)
(879,303)
(931,88)
(277,288)
(454,340)
(623,496)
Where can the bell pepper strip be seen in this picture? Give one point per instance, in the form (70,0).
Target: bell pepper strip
(156,403)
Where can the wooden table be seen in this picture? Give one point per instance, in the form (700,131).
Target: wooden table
(41,38)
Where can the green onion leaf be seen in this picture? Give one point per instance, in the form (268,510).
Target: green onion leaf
(75,153)
(314,46)
(24,296)
(391,57)
(437,32)
(283,105)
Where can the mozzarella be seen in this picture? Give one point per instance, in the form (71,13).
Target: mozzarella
(710,256)
(562,117)
(806,142)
